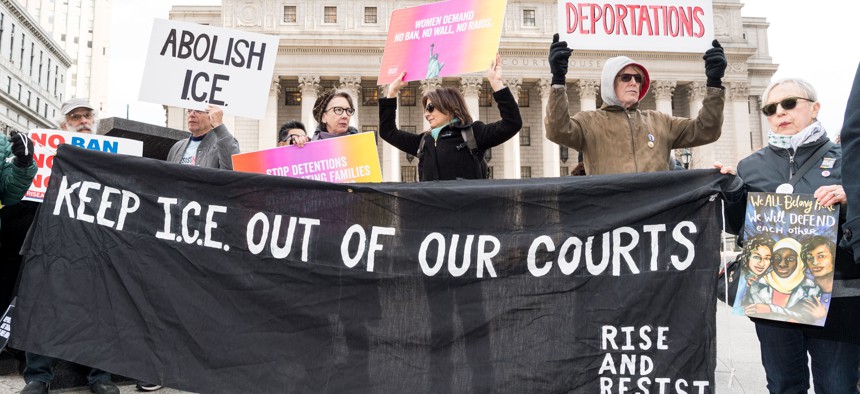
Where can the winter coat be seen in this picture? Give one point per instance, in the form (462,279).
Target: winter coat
(14,180)
(764,171)
(615,140)
(448,158)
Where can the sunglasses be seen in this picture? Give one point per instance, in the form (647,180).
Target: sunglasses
(429,108)
(787,103)
(341,110)
(627,77)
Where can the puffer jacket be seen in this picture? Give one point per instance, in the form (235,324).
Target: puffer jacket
(14,180)
(448,158)
(614,140)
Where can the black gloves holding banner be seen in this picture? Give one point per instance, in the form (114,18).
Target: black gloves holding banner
(22,148)
(559,54)
(715,65)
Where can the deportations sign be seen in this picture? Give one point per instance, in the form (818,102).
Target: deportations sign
(631,25)
(787,273)
(45,143)
(347,159)
(206,277)
(441,39)
(189,65)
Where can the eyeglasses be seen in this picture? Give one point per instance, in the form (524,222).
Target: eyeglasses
(196,112)
(429,108)
(628,77)
(76,117)
(341,110)
(787,103)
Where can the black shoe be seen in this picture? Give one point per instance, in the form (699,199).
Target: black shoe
(104,387)
(143,386)
(35,387)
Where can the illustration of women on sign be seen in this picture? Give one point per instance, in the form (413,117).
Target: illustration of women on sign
(776,295)
(434,66)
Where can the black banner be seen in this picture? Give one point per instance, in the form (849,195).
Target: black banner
(216,281)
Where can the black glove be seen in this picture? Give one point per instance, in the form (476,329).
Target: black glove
(22,148)
(559,55)
(715,65)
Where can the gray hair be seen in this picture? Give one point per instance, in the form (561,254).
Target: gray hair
(805,86)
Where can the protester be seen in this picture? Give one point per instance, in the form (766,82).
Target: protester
(293,133)
(77,115)
(332,111)
(443,152)
(619,137)
(210,145)
(791,107)
(850,136)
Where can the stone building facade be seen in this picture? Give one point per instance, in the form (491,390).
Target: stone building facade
(32,71)
(338,44)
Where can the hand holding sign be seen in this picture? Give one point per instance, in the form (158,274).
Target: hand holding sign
(494,74)
(715,65)
(559,55)
(22,148)
(396,85)
(216,115)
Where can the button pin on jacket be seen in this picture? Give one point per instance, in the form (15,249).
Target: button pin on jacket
(650,140)
(825,173)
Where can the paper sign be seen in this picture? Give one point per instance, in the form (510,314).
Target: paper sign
(789,258)
(45,144)
(641,25)
(189,65)
(347,159)
(441,39)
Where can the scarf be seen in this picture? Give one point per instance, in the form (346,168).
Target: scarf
(321,134)
(435,131)
(808,135)
(786,285)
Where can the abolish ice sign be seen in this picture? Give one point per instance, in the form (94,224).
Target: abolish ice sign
(190,65)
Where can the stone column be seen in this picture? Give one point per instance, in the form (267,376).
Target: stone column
(550,150)
(426,86)
(588,90)
(739,95)
(309,85)
(663,93)
(511,148)
(703,156)
(390,160)
(352,85)
(765,125)
(267,134)
(471,89)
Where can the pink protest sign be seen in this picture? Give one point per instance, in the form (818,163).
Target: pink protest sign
(348,159)
(441,39)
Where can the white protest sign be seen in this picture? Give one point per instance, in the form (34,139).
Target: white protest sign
(45,143)
(189,65)
(637,25)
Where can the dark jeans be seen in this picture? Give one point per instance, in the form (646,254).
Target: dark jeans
(41,369)
(783,355)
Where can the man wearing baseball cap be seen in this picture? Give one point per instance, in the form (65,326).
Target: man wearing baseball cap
(76,115)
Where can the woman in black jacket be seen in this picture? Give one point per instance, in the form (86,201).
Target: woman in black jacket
(444,154)
(791,107)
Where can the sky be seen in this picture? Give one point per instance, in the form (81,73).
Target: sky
(807,41)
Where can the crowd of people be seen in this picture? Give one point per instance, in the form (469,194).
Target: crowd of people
(786,275)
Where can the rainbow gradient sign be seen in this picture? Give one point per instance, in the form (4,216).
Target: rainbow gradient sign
(441,39)
(347,159)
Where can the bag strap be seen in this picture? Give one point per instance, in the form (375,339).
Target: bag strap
(813,160)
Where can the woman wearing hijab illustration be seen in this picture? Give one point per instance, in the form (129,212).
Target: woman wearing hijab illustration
(783,287)
(434,66)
